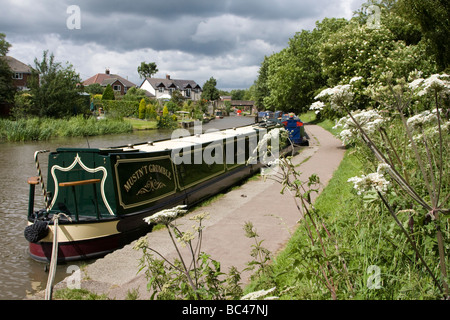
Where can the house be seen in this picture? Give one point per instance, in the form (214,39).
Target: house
(163,88)
(118,83)
(21,72)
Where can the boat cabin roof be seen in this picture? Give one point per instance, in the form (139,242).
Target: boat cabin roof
(193,140)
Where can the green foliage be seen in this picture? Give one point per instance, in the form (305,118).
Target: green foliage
(150,112)
(39,129)
(147,70)
(55,89)
(77,294)
(337,50)
(121,108)
(210,92)
(135,94)
(433,19)
(191,276)
(94,89)
(7,89)
(108,94)
(4,45)
(142,108)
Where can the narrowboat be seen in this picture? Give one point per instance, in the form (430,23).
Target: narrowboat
(101,196)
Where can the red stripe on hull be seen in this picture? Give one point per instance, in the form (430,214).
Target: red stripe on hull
(82,250)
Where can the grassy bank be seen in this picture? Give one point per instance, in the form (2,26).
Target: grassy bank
(353,246)
(36,129)
(139,124)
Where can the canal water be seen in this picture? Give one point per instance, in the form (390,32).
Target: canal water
(21,276)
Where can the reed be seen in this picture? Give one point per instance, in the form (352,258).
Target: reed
(41,129)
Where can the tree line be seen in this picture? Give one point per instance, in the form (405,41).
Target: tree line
(410,35)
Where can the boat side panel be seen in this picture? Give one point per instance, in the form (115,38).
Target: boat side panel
(95,200)
(143,180)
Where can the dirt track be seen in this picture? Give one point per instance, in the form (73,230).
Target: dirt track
(273,215)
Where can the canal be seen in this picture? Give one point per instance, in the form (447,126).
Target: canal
(21,276)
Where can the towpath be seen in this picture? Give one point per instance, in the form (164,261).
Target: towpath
(273,215)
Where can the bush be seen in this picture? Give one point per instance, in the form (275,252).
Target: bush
(108,94)
(142,108)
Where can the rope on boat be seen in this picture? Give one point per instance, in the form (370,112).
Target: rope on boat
(54,258)
(41,179)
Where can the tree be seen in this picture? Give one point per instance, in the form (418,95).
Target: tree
(289,79)
(94,88)
(146,70)
(7,89)
(177,98)
(55,89)
(210,91)
(261,89)
(108,94)
(434,20)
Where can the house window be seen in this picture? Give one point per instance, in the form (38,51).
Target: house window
(18,76)
(188,92)
(161,89)
(117,87)
(171,90)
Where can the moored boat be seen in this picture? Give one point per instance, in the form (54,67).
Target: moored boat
(100,196)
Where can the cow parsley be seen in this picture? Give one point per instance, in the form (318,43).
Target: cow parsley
(433,83)
(166,216)
(372,181)
(338,96)
(369,120)
(422,119)
(258,294)
(317,106)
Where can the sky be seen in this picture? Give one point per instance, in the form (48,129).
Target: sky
(195,39)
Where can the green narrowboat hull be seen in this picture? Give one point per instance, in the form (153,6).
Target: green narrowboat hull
(104,194)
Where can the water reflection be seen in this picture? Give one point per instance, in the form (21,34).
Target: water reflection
(21,275)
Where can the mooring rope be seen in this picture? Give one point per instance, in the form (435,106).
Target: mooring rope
(54,258)
(41,179)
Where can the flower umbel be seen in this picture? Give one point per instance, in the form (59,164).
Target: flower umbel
(257,294)
(372,181)
(166,216)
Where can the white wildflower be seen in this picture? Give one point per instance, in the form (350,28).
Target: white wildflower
(317,106)
(269,146)
(383,168)
(369,120)
(372,181)
(338,96)
(433,83)
(166,216)
(354,79)
(186,237)
(201,216)
(422,119)
(257,294)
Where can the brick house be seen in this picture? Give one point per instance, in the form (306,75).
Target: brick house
(21,72)
(118,83)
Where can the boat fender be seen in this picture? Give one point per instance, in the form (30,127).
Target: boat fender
(37,231)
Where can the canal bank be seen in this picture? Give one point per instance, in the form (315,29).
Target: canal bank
(274,215)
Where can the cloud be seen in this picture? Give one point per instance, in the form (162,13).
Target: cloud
(195,39)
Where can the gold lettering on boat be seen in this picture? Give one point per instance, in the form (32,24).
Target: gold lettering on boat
(143,172)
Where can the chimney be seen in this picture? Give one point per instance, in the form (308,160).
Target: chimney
(107,71)
(168,76)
